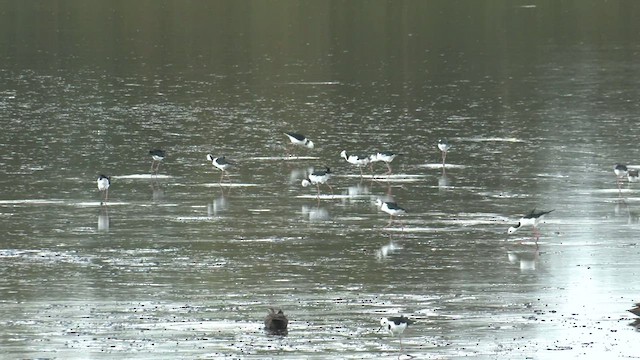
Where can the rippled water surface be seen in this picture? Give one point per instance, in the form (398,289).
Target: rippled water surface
(179,265)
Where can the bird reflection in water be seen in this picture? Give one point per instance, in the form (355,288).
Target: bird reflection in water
(315,213)
(389,188)
(527,259)
(298,174)
(157,192)
(103,220)
(622,208)
(387,249)
(218,205)
(443,181)
(354,192)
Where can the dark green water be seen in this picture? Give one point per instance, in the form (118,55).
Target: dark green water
(538,98)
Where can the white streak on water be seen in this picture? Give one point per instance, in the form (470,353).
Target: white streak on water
(284,158)
(439,166)
(142,176)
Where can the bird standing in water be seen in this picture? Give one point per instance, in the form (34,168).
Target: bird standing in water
(357,160)
(318,177)
(530,220)
(103,186)
(444,147)
(222,164)
(298,140)
(386,156)
(157,155)
(392,209)
(396,325)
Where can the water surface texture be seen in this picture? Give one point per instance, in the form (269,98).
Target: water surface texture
(539,100)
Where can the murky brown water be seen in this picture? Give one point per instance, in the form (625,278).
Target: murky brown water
(178,267)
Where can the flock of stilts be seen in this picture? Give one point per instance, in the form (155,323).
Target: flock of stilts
(276,321)
(317,178)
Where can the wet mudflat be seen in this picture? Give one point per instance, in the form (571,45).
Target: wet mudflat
(180,266)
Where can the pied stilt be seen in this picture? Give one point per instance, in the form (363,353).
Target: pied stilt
(221,163)
(298,140)
(530,220)
(391,208)
(621,171)
(444,147)
(318,177)
(357,160)
(386,156)
(396,325)
(157,155)
(103,186)
(632,175)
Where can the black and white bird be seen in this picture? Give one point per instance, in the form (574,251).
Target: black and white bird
(103,186)
(444,147)
(530,220)
(396,325)
(298,140)
(357,160)
(386,156)
(390,208)
(318,177)
(221,163)
(632,175)
(157,155)
(276,322)
(620,170)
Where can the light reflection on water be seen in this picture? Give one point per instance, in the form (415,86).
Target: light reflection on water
(179,265)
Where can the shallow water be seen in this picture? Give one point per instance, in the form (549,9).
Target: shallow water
(184,265)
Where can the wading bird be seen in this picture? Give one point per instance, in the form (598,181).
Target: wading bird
(298,140)
(318,177)
(357,160)
(530,220)
(385,156)
(222,164)
(396,325)
(157,155)
(103,185)
(621,171)
(392,209)
(444,147)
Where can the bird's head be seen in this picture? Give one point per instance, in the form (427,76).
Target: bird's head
(513,229)
(306,182)
(384,322)
(309,144)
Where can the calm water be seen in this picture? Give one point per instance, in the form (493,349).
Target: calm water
(539,100)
